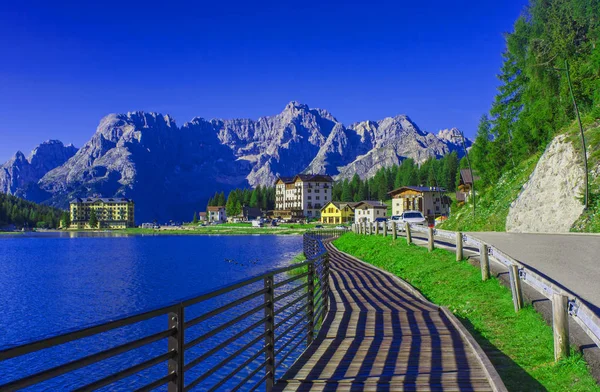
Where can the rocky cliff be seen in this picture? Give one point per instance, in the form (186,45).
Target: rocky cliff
(19,176)
(171,170)
(550,201)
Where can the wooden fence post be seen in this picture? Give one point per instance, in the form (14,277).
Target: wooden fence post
(459,246)
(430,244)
(394,231)
(515,287)
(376,228)
(385,229)
(408,234)
(560,325)
(484,261)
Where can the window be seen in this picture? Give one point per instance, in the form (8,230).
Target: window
(377,212)
(318,198)
(309,197)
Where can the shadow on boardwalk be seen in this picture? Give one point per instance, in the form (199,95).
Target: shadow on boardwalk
(379,336)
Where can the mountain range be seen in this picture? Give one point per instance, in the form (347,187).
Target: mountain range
(171,171)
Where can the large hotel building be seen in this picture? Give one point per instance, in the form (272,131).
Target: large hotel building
(302,196)
(111,212)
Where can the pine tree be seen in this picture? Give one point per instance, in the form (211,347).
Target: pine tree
(195,218)
(93,220)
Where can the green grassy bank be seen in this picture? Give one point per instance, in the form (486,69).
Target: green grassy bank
(519,345)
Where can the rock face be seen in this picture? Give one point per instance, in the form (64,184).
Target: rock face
(549,201)
(171,171)
(19,175)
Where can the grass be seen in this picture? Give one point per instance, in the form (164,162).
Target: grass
(493,203)
(523,342)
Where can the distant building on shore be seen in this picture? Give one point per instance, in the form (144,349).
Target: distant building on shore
(110,212)
(302,196)
(216,214)
(368,211)
(430,201)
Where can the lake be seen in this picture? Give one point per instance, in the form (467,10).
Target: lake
(51,282)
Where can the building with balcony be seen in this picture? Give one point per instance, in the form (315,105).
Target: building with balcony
(430,201)
(111,212)
(302,196)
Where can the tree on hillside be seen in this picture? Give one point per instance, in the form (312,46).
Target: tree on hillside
(346,191)
(254,198)
(195,218)
(65,220)
(93,222)
(221,199)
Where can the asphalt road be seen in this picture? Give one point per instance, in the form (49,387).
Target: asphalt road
(571,260)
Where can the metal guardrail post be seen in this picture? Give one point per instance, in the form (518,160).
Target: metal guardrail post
(459,246)
(175,343)
(408,233)
(484,261)
(430,243)
(269,333)
(311,303)
(560,326)
(515,287)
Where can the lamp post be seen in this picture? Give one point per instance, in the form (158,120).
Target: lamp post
(458,134)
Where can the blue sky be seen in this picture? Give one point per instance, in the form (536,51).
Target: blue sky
(63,66)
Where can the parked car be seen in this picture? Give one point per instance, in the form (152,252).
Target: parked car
(340,227)
(414,217)
(396,218)
(318,226)
(380,220)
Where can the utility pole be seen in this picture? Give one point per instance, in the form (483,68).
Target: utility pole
(585,164)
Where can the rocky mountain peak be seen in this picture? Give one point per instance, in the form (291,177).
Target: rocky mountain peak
(170,170)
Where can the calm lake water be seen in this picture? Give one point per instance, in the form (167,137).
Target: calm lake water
(57,281)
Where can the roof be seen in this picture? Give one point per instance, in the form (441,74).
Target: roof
(341,204)
(465,175)
(313,178)
(371,204)
(305,178)
(417,189)
(202,214)
(251,210)
(91,200)
(285,180)
(460,196)
(214,208)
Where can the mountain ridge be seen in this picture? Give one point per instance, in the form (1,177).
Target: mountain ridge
(166,168)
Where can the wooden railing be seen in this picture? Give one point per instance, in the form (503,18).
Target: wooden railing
(235,337)
(564,303)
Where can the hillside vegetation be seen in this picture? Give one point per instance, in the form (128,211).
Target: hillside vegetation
(492,203)
(550,40)
(19,212)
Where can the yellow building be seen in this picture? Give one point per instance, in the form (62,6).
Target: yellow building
(111,213)
(338,212)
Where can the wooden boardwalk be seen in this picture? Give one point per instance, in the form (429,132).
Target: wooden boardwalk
(380,336)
